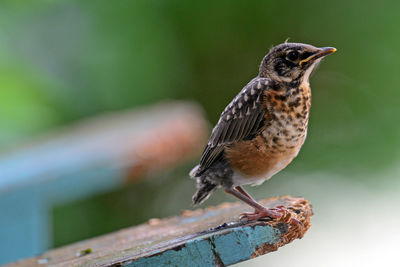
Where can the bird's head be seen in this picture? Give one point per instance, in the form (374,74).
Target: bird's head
(292,61)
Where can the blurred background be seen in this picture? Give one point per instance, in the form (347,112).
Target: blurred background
(62,62)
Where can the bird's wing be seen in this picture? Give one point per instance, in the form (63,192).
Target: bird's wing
(241,120)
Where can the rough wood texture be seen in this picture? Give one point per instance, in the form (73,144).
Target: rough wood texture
(210,237)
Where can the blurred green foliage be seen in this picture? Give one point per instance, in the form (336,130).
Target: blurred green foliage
(64,60)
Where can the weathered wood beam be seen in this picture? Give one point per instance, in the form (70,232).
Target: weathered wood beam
(210,237)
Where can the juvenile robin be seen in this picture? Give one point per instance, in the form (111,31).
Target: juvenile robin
(262,130)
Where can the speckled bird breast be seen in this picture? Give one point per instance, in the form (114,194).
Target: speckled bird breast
(278,144)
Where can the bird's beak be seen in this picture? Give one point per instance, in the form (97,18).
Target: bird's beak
(324,51)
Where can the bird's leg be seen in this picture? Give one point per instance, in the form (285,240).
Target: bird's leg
(260,210)
(241,190)
(244,192)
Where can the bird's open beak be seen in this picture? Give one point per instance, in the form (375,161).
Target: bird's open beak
(324,51)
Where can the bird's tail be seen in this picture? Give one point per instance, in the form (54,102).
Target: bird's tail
(204,187)
(204,190)
(194,172)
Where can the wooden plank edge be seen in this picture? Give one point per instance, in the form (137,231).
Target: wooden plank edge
(225,240)
(230,243)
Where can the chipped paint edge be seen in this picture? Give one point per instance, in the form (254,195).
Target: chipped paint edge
(216,249)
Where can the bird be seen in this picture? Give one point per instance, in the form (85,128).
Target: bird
(262,129)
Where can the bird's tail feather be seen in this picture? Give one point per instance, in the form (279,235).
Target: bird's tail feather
(194,172)
(204,190)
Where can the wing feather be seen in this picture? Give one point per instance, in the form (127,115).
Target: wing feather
(241,120)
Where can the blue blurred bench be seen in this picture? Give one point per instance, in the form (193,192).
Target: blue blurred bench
(89,157)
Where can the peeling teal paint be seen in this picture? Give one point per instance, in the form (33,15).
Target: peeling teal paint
(194,253)
(227,247)
(243,242)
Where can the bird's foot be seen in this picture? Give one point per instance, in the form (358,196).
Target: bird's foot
(259,214)
(278,212)
(287,216)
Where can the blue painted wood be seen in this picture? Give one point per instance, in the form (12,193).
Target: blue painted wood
(26,210)
(85,159)
(211,237)
(23,228)
(224,247)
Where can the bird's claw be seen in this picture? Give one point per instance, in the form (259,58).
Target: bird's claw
(278,212)
(294,221)
(259,214)
(280,209)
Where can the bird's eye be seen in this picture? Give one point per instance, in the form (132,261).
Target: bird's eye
(292,56)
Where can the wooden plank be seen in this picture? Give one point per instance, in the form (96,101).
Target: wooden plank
(210,237)
(92,156)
